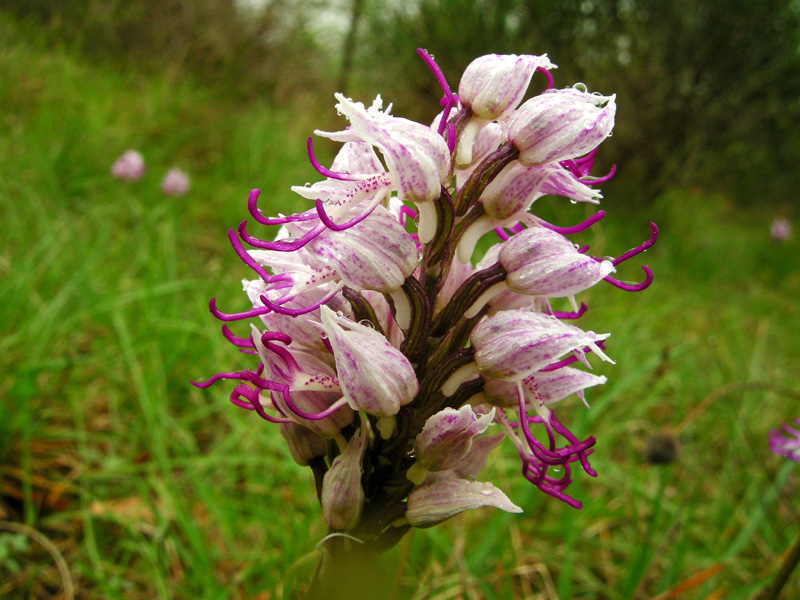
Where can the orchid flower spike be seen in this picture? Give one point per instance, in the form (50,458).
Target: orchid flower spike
(391,358)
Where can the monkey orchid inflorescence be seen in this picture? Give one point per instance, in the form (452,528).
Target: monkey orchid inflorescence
(390,362)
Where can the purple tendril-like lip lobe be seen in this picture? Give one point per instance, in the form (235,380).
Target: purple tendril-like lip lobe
(390,357)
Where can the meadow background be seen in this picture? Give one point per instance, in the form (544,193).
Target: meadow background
(149,488)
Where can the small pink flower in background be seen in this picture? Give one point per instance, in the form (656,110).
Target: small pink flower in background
(780,230)
(129,166)
(786,442)
(175,182)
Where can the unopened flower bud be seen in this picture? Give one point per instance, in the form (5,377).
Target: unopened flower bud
(303,443)
(375,377)
(541,262)
(780,230)
(494,84)
(513,191)
(514,344)
(447,436)
(560,124)
(434,503)
(342,492)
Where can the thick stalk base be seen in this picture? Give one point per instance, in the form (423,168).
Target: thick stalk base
(347,573)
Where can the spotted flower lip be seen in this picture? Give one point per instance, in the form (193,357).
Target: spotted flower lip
(375,254)
(310,385)
(493,85)
(560,125)
(375,376)
(786,441)
(417,156)
(545,387)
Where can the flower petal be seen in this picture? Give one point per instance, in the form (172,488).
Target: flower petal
(374,375)
(431,504)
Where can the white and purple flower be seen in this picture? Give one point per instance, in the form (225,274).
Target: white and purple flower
(175,183)
(780,230)
(129,166)
(786,441)
(371,302)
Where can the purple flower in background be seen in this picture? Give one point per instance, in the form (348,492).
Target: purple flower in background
(372,302)
(129,166)
(175,182)
(780,230)
(786,442)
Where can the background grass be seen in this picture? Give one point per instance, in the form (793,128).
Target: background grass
(150,488)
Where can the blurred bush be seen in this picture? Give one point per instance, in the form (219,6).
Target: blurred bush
(245,52)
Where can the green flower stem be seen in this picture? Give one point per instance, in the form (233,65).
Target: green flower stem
(347,572)
(782,576)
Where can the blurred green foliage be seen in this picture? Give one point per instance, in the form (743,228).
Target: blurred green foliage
(246,53)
